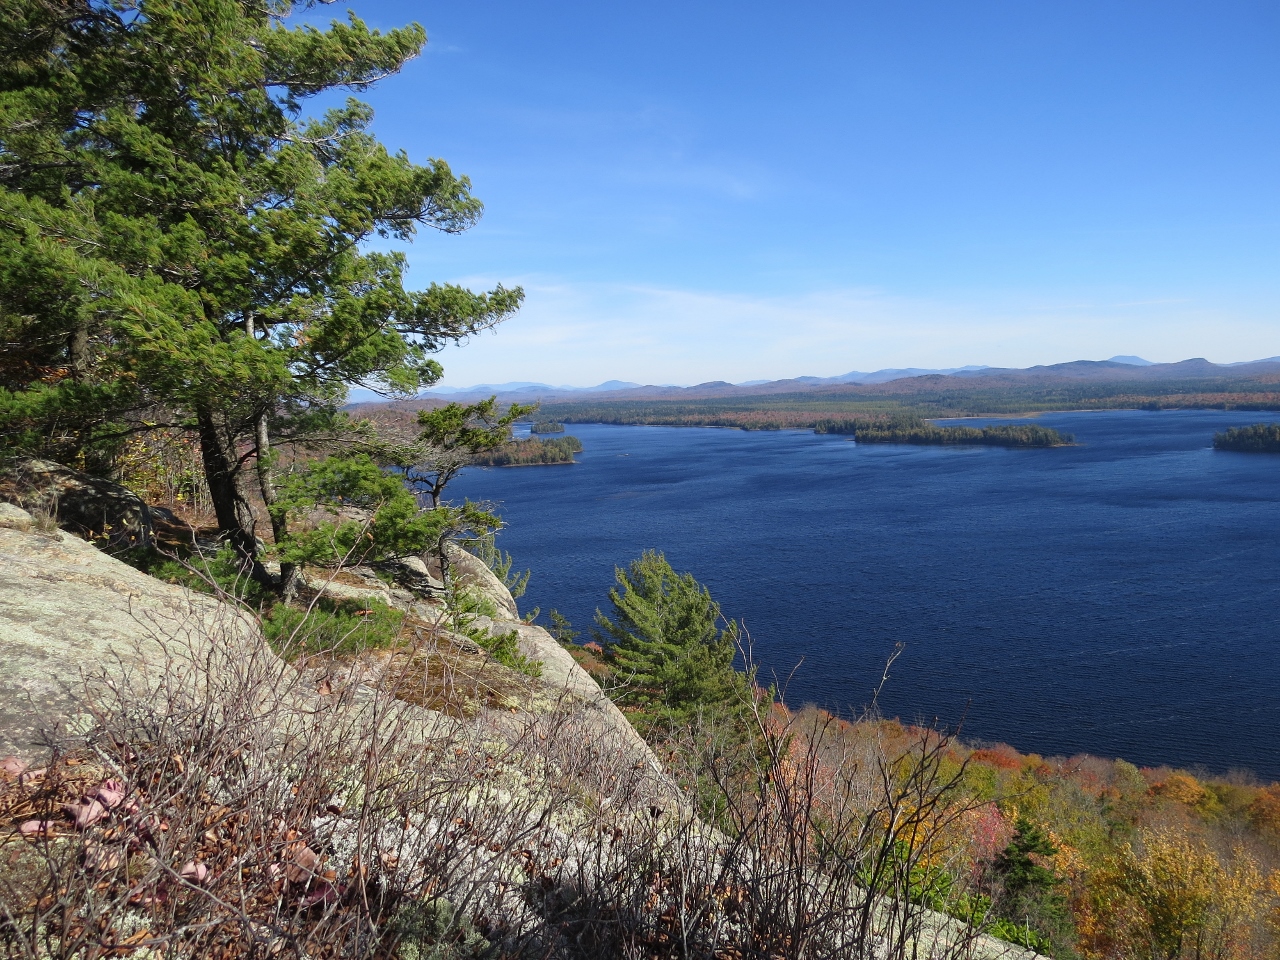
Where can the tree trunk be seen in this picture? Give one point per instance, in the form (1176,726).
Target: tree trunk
(78,350)
(221,470)
(289,573)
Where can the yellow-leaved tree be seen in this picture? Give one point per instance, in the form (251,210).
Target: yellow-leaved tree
(1171,897)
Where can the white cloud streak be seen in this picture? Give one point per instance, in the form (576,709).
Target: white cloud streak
(585,333)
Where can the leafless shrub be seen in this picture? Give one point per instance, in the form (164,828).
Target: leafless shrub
(262,817)
(831,839)
(266,811)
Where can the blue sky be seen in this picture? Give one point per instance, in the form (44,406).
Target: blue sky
(696,191)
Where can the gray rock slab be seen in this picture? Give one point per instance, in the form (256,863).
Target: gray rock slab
(605,725)
(471,572)
(70,613)
(82,504)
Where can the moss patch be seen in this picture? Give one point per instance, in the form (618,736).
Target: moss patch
(335,627)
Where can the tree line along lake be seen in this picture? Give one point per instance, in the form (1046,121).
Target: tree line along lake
(1117,597)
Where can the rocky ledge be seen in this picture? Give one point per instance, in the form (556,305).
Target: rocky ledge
(75,623)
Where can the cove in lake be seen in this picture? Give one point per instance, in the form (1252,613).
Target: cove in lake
(1118,597)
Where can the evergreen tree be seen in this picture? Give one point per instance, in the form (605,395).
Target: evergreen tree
(361,513)
(453,436)
(667,646)
(418,467)
(1030,890)
(180,245)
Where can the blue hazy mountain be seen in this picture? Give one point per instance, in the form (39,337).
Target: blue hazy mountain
(1123,367)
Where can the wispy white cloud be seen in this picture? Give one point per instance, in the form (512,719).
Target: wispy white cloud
(586,333)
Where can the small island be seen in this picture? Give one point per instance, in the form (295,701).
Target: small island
(546,426)
(920,431)
(531,452)
(1258,438)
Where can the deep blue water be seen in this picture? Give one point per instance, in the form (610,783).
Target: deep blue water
(1120,597)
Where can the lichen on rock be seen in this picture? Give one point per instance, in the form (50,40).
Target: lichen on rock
(70,615)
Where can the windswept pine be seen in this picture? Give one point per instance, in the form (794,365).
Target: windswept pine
(187,247)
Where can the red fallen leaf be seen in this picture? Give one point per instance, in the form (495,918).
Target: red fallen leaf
(306,863)
(12,768)
(38,828)
(323,893)
(194,872)
(110,794)
(98,858)
(86,812)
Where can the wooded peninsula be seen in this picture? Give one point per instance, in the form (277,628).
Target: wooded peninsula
(531,452)
(901,410)
(920,431)
(1258,438)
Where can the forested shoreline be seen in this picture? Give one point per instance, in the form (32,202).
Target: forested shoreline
(918,431)
(930,397)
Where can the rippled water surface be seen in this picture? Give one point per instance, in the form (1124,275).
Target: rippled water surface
(1120,597)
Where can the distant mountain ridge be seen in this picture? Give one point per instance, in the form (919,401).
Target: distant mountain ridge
(1116,368)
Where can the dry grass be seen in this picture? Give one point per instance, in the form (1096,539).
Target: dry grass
(454,681)
(426,665)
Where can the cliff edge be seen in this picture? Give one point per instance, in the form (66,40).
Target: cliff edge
(77,624)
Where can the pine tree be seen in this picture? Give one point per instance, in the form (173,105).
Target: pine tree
(1030,889)
(667,646)
(180,245)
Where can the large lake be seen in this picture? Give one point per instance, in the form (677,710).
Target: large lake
(1120,597)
